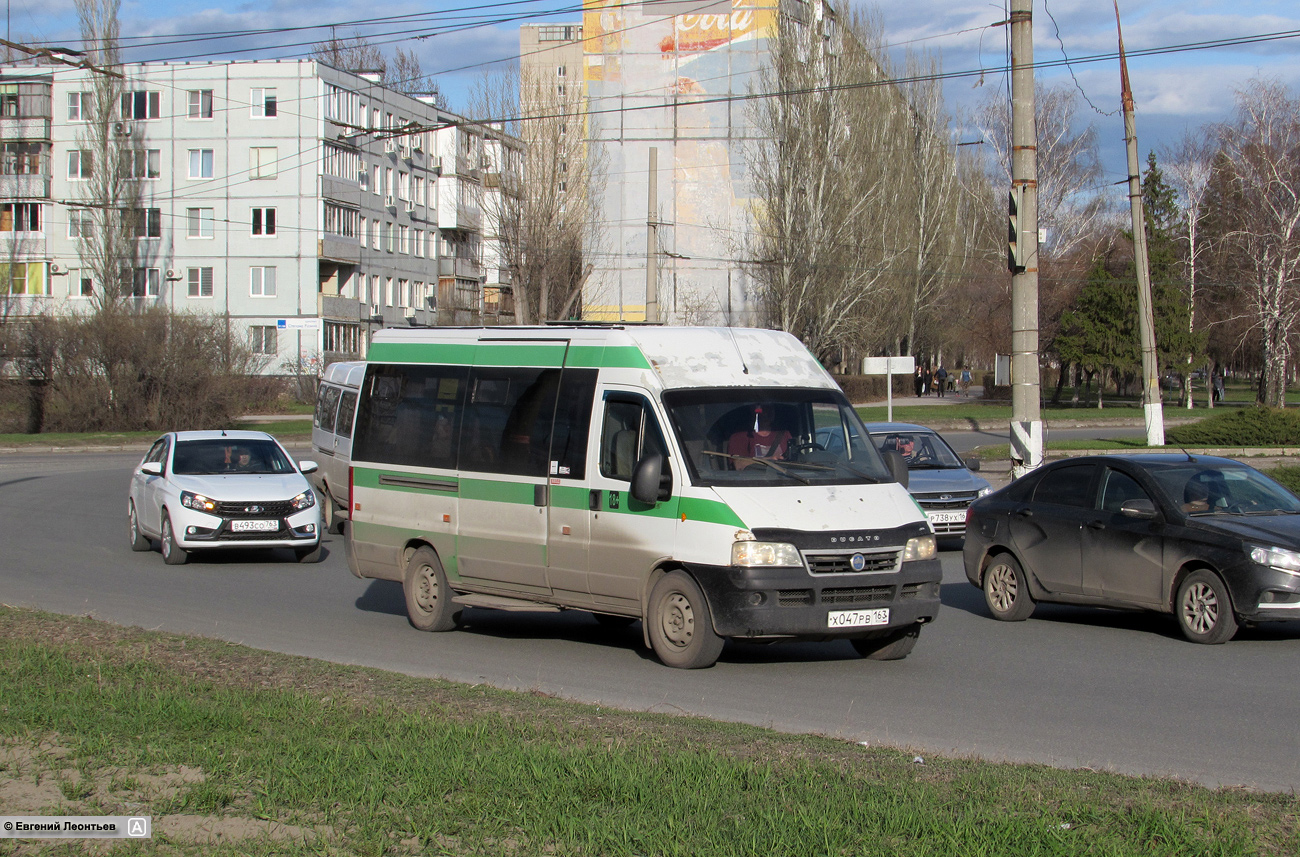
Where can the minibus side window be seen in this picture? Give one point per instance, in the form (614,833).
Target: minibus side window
(326,406)
(410,415)
(508,420)
(628,433)
(573,423)
(347,410)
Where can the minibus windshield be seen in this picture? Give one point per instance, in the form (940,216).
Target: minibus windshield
(772,436)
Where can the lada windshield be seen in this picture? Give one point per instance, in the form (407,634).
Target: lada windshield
(229,456)
(772,436)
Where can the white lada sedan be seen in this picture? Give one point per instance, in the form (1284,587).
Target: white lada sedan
(201,490)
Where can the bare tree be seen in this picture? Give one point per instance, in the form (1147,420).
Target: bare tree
(1262,148)
(1071,206)
(108,213)
(1188,165)
(827,239)
(401,74)
(542,205)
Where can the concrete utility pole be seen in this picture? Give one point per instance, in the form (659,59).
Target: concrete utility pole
(1022,251)
(1152,409)
(652,241)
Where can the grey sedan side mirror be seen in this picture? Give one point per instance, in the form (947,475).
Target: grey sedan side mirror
(972,464)
(1142,508)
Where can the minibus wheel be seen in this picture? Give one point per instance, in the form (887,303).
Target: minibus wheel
(890,646)
(428,598)
(681,628)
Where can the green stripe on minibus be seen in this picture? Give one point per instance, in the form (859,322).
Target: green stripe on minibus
(499,491)
(710,511)
(532,354)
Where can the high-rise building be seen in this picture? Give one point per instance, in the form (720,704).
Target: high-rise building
(310,205)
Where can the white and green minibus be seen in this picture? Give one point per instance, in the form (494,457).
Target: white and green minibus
(712,482)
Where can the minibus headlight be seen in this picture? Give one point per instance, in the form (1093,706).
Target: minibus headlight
(190,500)
(921,547)
(751,554)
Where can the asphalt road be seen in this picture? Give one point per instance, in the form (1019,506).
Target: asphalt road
(1071,687)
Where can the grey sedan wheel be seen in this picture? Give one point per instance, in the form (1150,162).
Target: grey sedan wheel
(139,541)
(172,553)
(428,597)
(1005,590)
(1204,610)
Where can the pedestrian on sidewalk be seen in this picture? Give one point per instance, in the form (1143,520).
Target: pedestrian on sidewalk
(918,383)
(965,381)
(941,379)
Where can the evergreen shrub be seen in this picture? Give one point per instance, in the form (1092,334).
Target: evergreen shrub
(1241,427)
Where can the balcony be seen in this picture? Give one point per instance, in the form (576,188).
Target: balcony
(340,190)
(25,128)
(336,248)
(30,186)
(461,269)
(340,308)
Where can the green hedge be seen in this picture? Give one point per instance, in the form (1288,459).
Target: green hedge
(871,388)
(1242,427)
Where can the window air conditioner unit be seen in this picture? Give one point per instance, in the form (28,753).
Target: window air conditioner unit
(390,145)
(122,129)
(435,165)
(388,201)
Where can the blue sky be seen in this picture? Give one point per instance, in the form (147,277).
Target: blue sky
(1175,92)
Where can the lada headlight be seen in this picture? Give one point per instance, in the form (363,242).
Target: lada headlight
(921,547)
(751,554)
(305,500)
(1279,558)
(198,502)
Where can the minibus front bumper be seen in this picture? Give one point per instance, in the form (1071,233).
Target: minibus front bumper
(772,603)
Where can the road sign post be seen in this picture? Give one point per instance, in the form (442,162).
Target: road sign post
(888,366)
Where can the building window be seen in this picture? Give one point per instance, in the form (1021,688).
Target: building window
(403,293)
(200,282)
(263,102)
(142,163)
(341,162)
(80,223)
(201,163)
(20,158)
(403,238)
(374,234)
(79,165)
(388,236)
(343,338)
(560,71)
(23,278)
(263,340)
(341,221)
(145,222)
(200,104)
(142,104)
(147,283)
(261,162)
(9,99)
(262,282)
(417,191)
(80,107)
(200,222)
(263,221)
(20,217)
(417,242)
(87,287)
(403,185)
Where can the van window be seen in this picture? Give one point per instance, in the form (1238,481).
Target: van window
(573,423)
(347,410)
(327,404)
(508,419)
(629,432)
(410,415)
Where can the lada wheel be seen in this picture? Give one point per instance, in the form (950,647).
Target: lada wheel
(428,598)
(1204,610)
(172,553)
(139,541)
(311,554)
(681,628)
(1005,590)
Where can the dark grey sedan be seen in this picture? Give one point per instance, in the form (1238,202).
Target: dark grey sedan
(1211,540)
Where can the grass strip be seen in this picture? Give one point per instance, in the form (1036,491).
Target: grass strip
(359,761)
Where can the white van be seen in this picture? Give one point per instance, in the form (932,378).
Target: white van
(672,475)
(331,436)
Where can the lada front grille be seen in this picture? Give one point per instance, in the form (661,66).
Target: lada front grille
(840,562)
(946,501)
(253,508)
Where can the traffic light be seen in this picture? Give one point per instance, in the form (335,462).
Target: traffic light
(1017,248)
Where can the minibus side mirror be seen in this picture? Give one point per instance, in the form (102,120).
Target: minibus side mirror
(651,481)
(897,466)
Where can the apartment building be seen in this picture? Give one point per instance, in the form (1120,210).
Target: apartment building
(309,204)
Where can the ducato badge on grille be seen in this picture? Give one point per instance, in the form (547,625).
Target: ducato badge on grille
(857,562)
